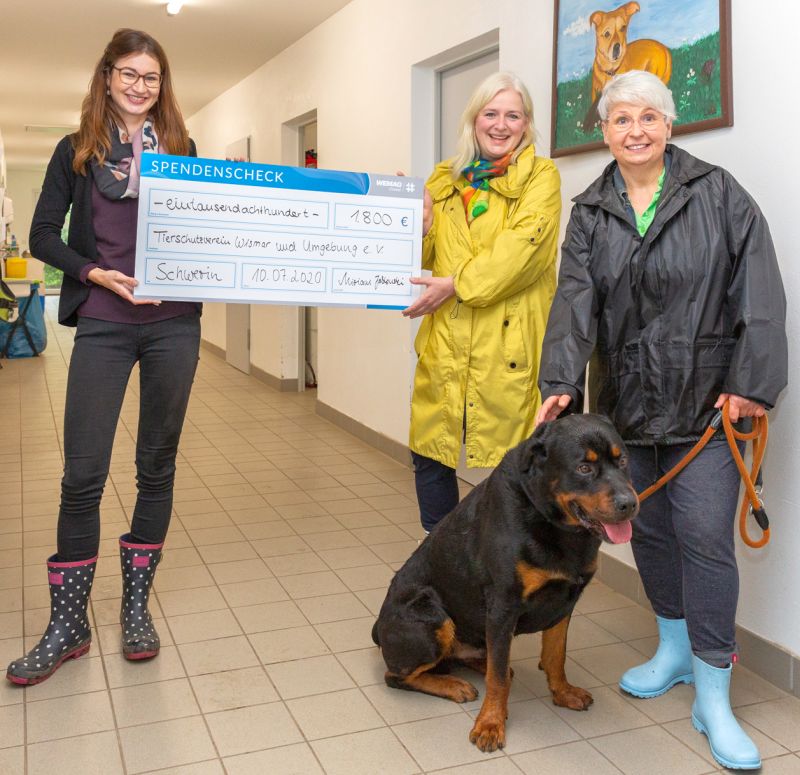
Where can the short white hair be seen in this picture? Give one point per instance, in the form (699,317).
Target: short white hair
(637,87)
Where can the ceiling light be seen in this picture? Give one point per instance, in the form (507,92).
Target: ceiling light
(174,7)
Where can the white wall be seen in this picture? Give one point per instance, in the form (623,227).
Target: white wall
(355,70)
(21,184)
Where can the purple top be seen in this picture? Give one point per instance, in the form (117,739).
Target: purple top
(114,223)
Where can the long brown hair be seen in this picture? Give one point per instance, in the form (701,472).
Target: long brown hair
(98,113)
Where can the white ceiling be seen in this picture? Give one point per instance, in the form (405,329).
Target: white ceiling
(49,49)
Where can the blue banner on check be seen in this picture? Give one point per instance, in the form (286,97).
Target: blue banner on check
(213,230)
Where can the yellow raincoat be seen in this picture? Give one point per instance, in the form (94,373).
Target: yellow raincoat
(479,352)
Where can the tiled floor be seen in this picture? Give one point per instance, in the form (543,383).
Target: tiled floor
(286,532)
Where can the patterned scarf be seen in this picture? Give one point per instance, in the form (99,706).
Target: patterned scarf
(476,195)
(118,176)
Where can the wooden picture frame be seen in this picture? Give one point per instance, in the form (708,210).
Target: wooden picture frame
(687,43)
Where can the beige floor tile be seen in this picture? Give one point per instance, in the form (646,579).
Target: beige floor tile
(253,728)
(436,743)
(747,688)
(398,707)
(211,767)
(204,626)
(292,564)
(12,761)
(331,608)
(123,672)
(336,713)
(497,766)
(650,751)
(269,616)
(180,558)
(239,570)
(189,577)
(355,557)
(96,754)
(166,744)
(278,547)
(675,704)
(347,635)
(577,758)
(781,765)
(336,539)
(780,719)
(608,714)
(312,584)
(372,599)
(290,760)
(366,577)
(395,552)
(78,676)
(191,601)
(233,689)
(304,677)
(380,535)
(364,753)
(282,645)
(79,714)
(242,593)
(214,656)
(626,623)
(257,531)
(11,624)
(608,663)
(12,725)
(153,702)
(362,518)
(584,633)
(212,536)
(215,553)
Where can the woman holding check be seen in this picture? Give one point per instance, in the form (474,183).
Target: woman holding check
(490,238)
(670,281)
(130,109)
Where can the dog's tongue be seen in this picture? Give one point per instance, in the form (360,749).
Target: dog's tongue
(620,533)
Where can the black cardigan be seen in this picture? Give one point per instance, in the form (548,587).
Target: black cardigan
(63,187)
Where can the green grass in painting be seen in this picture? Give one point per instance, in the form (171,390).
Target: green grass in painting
(695,86)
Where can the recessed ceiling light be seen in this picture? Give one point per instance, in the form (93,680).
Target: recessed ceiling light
(174,7)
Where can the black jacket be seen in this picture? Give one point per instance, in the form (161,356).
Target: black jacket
(693,309)
(63,187)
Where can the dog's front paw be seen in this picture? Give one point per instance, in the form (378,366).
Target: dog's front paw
(572,697)
(488,735)
(463,691)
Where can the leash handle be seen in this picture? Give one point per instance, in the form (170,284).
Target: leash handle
(752,502)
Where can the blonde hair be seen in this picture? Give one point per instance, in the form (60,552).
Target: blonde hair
(467,149)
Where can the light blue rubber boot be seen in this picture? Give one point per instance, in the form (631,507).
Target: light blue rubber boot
(671,664)
(712,715)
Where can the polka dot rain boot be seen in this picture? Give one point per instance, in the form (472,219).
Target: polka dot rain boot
(139,562)
(68,636)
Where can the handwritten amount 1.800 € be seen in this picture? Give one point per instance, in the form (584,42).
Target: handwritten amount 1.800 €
(285,277)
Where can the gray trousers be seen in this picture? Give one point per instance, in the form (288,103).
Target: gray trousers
(683,542)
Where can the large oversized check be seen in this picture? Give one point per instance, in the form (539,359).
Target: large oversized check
(212,230)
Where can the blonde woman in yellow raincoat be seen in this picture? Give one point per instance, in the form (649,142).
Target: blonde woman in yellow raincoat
(491,228)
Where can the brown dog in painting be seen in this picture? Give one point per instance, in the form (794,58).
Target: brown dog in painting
(614,54)
(513,557)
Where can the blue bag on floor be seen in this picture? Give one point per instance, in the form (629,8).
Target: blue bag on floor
(26,335)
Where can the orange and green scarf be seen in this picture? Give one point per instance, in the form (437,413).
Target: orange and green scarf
(478,174)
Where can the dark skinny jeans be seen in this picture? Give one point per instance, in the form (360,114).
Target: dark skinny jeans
(103,356)
(683,542)
(437,490)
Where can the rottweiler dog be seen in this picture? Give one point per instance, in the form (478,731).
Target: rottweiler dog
(513,557)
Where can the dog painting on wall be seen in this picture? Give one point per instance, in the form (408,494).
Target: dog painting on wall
(615,54)
(513,557)
(685,43)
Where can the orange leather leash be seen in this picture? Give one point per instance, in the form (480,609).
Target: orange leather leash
(751,503)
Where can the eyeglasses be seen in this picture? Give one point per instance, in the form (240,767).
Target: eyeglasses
(130,77)
(646,122)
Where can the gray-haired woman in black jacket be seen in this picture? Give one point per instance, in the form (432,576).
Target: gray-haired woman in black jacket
(670,284)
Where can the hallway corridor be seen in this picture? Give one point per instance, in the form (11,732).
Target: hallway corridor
(285,534)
